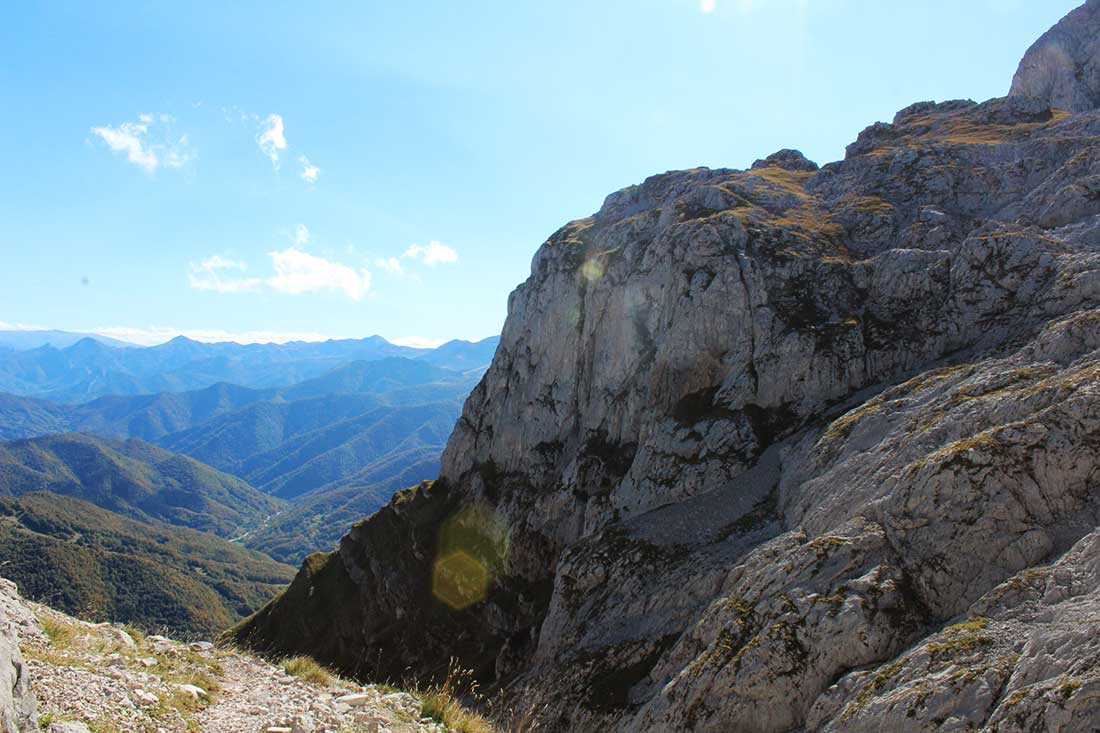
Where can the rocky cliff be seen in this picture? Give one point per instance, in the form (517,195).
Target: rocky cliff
(1063,67)
(777,448)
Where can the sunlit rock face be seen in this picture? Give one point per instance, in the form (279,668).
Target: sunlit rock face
(768,449)
(1063,67)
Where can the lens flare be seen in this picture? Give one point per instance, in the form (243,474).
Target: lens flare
(460,581)
(473,549)
(592,269)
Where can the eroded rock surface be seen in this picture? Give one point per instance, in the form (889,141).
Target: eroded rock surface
(765,449)
(1063,67)
(18,712)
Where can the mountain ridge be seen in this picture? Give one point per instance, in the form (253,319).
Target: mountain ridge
(89,369)
(135,479)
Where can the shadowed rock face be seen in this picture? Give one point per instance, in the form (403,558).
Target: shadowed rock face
(1063,67)
(755,443)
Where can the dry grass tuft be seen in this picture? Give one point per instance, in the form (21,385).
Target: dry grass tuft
(442,703)
(308,670)
(62,635)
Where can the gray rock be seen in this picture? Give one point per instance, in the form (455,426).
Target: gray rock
(68,726)
(17,703)
(1063,67)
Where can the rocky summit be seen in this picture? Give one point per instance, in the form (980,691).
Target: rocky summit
(784,448)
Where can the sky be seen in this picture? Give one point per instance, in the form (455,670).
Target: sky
(264,171)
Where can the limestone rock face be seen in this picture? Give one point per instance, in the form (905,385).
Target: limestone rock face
(17,703)
(769,449)
(1063,67)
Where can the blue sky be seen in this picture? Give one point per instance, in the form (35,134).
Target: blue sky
(260,171)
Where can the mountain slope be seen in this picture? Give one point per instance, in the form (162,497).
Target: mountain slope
(84,560)
(373,377)
(135,479)
(289,449)
(785,448)
(317,521)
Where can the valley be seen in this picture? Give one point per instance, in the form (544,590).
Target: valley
(179,510)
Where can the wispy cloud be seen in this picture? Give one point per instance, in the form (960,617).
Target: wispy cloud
(21,327)
(294,272)
(708,6)
(310,172)
(298,272)
(272,138)
(301,235)
(431,254)
(391,265)
(148,143)
(209,275)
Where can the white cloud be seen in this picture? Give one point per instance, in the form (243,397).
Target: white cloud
(309,171)
(152,335)
(147,143)
(272,139)
(298,272)
(301,235)
(432,254)
(21,327)
(707,6)
(418,342)
(391,265)
(208,275)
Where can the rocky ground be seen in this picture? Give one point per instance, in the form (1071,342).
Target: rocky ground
(105,678)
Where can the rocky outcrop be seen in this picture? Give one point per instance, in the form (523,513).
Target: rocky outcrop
(1063,67)
(771,448)
(17,703)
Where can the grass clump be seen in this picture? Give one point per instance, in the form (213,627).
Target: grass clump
(308,670)
(443,703)
(62,635)
(974,623)
(1067,688)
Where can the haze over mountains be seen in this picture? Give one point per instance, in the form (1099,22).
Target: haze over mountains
(88,368)
(311,438)
(21,340)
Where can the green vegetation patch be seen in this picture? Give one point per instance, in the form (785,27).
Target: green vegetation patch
(100,566)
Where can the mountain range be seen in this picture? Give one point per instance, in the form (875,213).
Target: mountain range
(21,340)
(89,368)
(285,469)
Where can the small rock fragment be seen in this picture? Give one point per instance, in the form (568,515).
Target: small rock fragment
(193,690)
(145,698)
(67,726)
